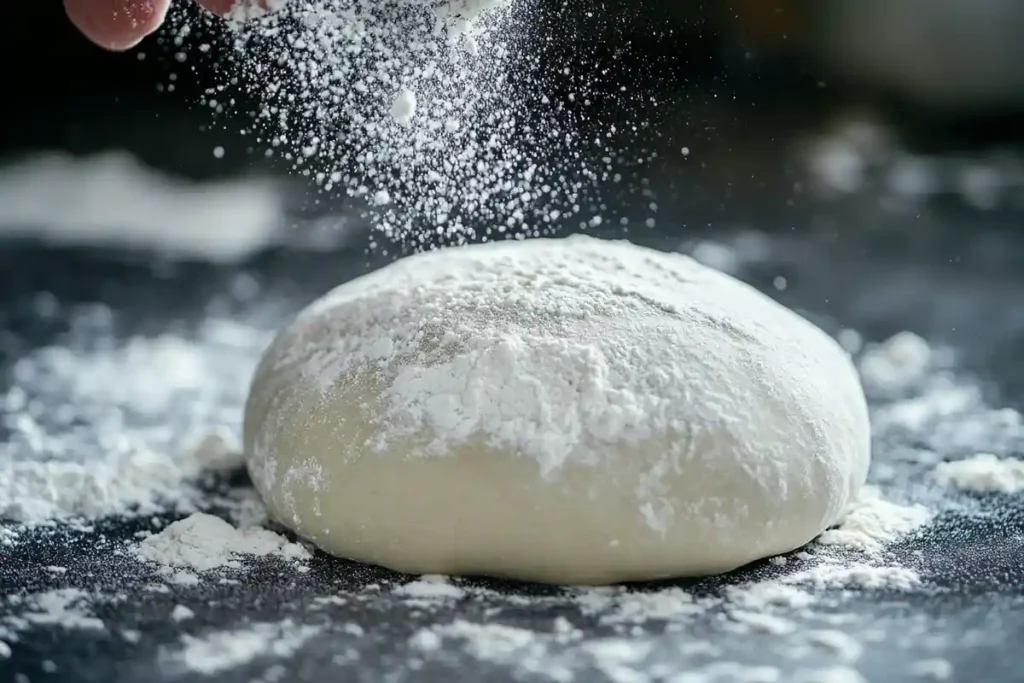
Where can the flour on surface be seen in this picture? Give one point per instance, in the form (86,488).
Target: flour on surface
(67,608)
(429,588)
(836,674)
(101,428)
(204,542)
(872,522)
(983,473)
(856,577)
(846,648)
(643,623)
(224,650)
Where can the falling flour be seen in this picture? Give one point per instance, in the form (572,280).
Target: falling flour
(440,106)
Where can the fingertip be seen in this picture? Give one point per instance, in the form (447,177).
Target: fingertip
(116,25)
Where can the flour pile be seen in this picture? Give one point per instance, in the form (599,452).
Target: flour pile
(433,114)
(98,428)
(113,200)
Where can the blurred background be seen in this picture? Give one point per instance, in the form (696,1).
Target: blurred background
(791,111)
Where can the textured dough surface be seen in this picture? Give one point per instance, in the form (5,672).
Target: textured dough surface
(570,411)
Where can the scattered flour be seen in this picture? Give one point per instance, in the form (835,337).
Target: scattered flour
(429,588)
(204,542)
(857,576)
(112,200)
(68,608)
(845,647)
(733,672)
(983,473)
(90,435)
(223,650)
(778,608)
(873,522)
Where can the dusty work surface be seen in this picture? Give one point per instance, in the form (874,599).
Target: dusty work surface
(103,355)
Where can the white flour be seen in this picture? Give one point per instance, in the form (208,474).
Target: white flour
(112,200)
(437,105)
(846,648)
(223,650)
(65,608)
(772,608)
(92,438)
(836,674)
(983,473)
(873,522)
(203,542)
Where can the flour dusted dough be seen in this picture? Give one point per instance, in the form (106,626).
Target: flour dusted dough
(568,411)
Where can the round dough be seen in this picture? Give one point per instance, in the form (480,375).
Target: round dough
(571,411)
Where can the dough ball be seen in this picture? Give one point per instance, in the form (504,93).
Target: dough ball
(569,411)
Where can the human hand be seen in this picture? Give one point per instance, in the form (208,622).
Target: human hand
(120,24)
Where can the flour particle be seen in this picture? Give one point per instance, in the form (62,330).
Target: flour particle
(182,613)
(403,109)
